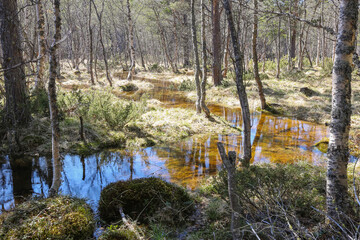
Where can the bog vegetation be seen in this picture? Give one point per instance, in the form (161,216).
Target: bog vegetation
(87,76)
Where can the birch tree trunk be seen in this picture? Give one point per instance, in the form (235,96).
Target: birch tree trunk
(196,57)
(16,106)
(131,42)
(255,58)
(40,81)
(216,36)
(338,153)
(54,112)
(240,86)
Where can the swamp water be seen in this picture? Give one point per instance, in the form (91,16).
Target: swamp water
(275,139)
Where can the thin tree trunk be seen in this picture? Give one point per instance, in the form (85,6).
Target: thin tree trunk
(91,53)
(229,163)
(186,42)
(16,106)
(216,36)
(240,86)
(338,153)
(196,57)
(99,16)
(255,58)
(278,50)
(40,81)
(204,56)
(226,55)
(54,112)
(131,42)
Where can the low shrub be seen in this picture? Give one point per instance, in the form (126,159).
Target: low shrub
(278,199)
(187,85)
(53,218)
(146,200)
(156,68)
(39,103)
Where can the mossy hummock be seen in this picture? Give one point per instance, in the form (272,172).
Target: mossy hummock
(145,200)
(52,218)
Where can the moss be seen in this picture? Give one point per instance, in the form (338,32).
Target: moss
(53,218)
(123,232)
(323,145)
(147,200)
(129,87)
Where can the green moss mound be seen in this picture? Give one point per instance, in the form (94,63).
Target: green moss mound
(53,218)
(146,200)
(115,232)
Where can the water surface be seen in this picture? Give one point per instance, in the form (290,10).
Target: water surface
(275,139)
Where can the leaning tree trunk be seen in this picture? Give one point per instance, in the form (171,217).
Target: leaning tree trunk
(204,56)
(54,112)
(216,36)
(240,86)
(40,81)
(338,153)
(255,58)
(131,42)
(196,57)
(16,107)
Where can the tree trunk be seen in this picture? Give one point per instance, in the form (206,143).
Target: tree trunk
(204,56)
(40,81)
(216,36)
(131,42)
(278,50)
(255,58)
(338,153)
(186,42)
(240,86)
(91,53)
(229,163)
(99,16)
(226,55)
(54,112)
(196,57)
(16,107)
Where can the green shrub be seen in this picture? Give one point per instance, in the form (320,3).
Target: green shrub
(39,103)
(146,200)
(101,107)
(53,218)
(278,195)
(187,85)
(156,68)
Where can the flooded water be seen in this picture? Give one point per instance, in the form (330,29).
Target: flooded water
(275,139)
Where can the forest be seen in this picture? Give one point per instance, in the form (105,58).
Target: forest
(179,119)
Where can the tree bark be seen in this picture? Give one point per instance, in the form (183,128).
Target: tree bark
(91,53)
(186,42)
(216,36)
(131,42)
(240,86)
(338,153)
(204,56)
(229,164)
(54,112)
(255,58)
(40,81)
(278,50)
(196,57)
(99,16)
(16,107)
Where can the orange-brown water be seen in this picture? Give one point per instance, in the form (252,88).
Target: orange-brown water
(275,139)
